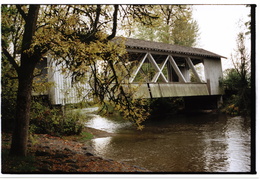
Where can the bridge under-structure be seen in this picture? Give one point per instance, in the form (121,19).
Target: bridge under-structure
(167,70)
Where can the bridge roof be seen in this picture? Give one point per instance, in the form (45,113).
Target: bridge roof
(164,47)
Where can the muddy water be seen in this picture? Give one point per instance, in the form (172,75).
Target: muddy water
(183,143)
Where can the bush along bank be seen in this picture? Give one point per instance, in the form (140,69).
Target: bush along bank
(55,120)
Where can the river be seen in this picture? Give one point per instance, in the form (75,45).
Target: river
(178,143)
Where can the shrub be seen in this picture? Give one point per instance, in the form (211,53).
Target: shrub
(231,109)
(237,81)
(53,121)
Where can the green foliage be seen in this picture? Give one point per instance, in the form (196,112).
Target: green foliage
(231,108)
(174,26)
(231,80)
(237,81)
(85,136)
(54,122)
(9,24)
(134,110)
(73,123)
(9,85)
(146,73)
(78,38)
(185,32)
(43,118)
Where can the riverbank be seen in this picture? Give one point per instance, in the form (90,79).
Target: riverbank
(54,155)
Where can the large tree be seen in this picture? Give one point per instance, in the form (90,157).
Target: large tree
(242,66)
(25,70)
(77,37)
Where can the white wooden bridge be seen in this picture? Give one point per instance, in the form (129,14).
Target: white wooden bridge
(175,71)
(162,70)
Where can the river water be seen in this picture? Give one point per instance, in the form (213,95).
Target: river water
(178,143)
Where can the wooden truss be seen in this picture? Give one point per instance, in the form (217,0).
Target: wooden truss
(159,69)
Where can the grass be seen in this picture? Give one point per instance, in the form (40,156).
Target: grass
(84,136)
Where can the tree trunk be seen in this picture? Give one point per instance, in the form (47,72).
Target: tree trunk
(20,134)
(25,78)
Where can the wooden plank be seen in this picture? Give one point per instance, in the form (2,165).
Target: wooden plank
(180,90)
(160,90)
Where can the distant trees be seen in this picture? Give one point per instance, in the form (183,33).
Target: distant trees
(237,80)
(174,25)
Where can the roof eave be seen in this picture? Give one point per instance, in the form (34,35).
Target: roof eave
(174,52)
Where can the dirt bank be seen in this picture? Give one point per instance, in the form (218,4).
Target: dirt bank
(59,155)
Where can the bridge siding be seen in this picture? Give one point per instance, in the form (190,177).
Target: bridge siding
(213,74)
(63,91)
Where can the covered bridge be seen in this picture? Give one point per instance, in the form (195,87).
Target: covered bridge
(162,70)
(177,71)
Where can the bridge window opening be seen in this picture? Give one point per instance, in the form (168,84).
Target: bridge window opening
(149,68)
(180,68)
(199,68)
(171,74)
(146,72)
(154,68)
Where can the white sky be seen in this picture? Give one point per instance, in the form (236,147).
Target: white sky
(219,26)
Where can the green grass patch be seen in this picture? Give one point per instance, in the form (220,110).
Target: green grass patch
(86,136)
(83,136)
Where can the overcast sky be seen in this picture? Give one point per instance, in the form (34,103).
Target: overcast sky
(219,26)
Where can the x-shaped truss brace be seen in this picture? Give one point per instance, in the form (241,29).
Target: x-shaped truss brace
(160,69)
